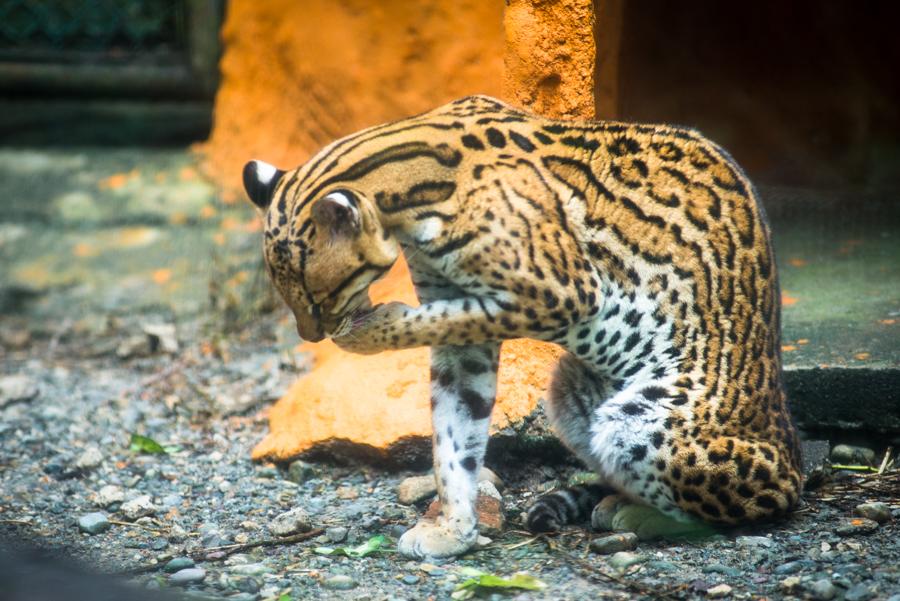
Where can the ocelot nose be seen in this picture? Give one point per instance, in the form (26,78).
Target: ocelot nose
(308,327)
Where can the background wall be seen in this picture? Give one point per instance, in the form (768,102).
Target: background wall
(297,75)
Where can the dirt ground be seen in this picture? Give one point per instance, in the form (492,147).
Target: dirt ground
(133,306)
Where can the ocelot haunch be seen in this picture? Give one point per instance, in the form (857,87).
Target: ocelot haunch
(641,249)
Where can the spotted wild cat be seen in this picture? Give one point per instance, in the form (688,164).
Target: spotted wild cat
(641,249)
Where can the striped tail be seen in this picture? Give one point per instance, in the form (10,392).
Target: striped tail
(565,506)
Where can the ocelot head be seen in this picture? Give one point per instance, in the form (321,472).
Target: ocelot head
(323,248)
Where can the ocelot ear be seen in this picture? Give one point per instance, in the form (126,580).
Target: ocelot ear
(260,180)
(338,213)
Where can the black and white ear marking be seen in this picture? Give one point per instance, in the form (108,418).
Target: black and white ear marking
(260,180)
(337,212)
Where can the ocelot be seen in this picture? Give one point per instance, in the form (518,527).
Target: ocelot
(641,249)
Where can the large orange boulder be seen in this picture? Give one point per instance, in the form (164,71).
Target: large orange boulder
(372,406)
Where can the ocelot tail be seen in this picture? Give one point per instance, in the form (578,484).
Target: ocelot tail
(641,249)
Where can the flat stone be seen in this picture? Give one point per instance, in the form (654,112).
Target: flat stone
(754,541)
(875,511)
(291,522)
(792,567)
(856,526)
(187,576)
(790,584)
(109,495)
(717,568)
(137,508)
(336,534)
(93,523)
(178,563)
(623,560)
(416,488)
(487,475)
(250,569)
(859,592)
(339,582)
(623,541)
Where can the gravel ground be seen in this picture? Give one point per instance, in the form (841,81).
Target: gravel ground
(98,344)
(70,482)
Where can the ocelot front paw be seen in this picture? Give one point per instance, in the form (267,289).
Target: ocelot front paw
(371,330)
(434,538)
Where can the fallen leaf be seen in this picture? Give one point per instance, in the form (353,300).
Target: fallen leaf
(145,444)
(797,262)
(862,356)
(803,341)
(482,582)
(161,276)
(788,348)
(887,322)
(373,545)
(787,300)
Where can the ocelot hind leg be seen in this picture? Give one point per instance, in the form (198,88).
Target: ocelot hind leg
(574,393)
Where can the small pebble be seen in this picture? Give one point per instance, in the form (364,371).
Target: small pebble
(90,458)
(178,563)
(410,579)
(790,584)
(339,582)
(718,591)
(717,568)
(93,523)
(662,566)
(855,526)
(792,567)
(251,569)
(188,575)
(138,507)
(159,544)
(821,590)
(290,522)
(623,541)
(623,560)
(754,541)
(876,511)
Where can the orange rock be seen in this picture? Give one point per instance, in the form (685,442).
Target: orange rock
(379,400)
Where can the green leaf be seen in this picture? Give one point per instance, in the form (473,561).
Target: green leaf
(481,581)
(143,444)
(284,597)
(373,545)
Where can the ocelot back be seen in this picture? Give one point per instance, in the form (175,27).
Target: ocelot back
(641,249)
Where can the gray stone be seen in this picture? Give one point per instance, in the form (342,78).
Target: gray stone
(93,523)
(162,337)
(876,511)
(822,590)
(336,534)
(339,582)
(488,475)
(246,584)
(178,563)
(138,507)
(662,566)
(856,526)
(17,389)
(859,592)
(416,488)
(852,455)
(624,541)
(754,541)
(290,522)
(187,576)
(624,559)
(410,579)
(300,471)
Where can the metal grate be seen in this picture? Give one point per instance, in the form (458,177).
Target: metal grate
(109,30)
